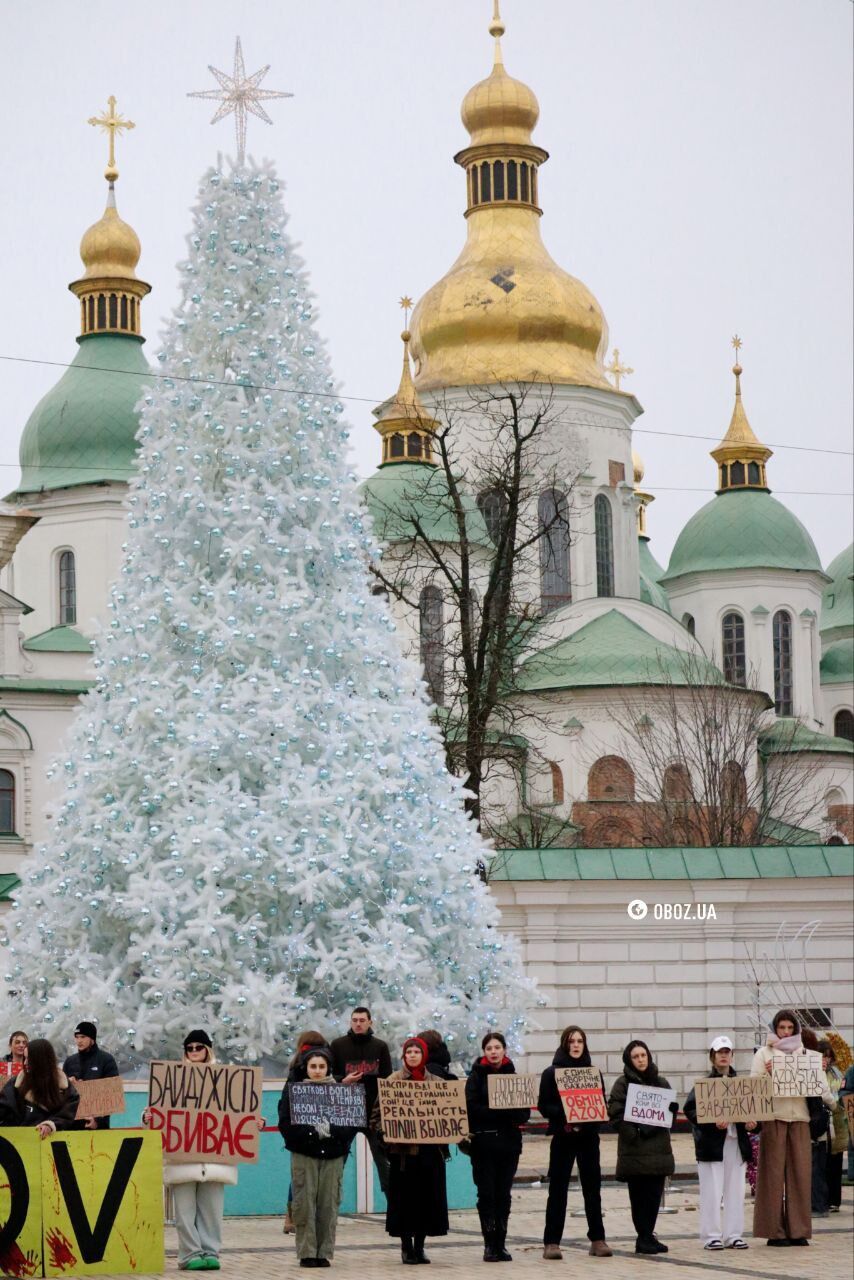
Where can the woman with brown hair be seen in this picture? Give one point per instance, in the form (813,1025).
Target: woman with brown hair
(17,1054)
(305,1040)
(42,1096)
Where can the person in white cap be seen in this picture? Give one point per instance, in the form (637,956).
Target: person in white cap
(722,1152)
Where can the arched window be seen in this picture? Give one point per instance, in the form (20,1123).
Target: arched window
(67,589)
(555,586)
(474,184)
(782,633)
(485,182)
(843,725)
(676,783)
(413,445)
(734,652)
(493,508)
(523,169)
(498,180)
(398,446)
(557,782)
(610,778)
(688,623)
(512,183)
(733,788)
(432,626)
(7,803)
(604,546)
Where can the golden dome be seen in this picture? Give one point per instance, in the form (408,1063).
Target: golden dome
(506,312)
(110,247)
(741,456)
(403,422)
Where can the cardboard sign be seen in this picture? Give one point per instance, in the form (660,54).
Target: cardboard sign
(797,1075)
(100,1097)
(339,1104)
(423,1111)
(80,1204)
(506,1092)
(205,1112)
(849,1112)
(580,1090)
(734,1099)
(649,1106)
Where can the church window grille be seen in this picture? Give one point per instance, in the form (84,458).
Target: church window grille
(555,583)
(604,546)
(754,476)
(512,181)
(523,173)
(413,445)
(485,182)
(843,725)
(124,311)
(534,192)
(782,637)
(498,180)
(474,184)
(67,589)
(102,311)
(432,628)
(7,803)
(91,309)
(397,445)
(736,473)
(734,650)
(114,311)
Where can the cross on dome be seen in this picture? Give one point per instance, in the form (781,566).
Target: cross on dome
(112,123)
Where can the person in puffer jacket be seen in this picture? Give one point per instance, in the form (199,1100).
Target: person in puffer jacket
(317,1165)
(496,1144)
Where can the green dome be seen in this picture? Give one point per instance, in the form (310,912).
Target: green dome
(84,430)
(743,529)
(837,603)
(398,489)
(651,573)
(837,662)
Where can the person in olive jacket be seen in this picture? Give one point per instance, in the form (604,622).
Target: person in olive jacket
(644,1153)
(571,1143)
(723,1154)
(318,1153)
(496,1145)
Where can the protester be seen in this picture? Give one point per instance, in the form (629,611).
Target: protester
(644,1153)
(438,1055)
(41,1096)
(317,1165)
(305,1040)
(360,1057)
(781,1211)
(723,1152)
(848,1088)
(17,1054)
(198,1190)
(417,1202)
(838,1136)
(90,1063)
(496,1145)
(819,1197)
(571,1143)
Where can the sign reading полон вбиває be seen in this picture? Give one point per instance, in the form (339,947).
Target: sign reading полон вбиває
(339,1104)
(205,1112)
(423,1111)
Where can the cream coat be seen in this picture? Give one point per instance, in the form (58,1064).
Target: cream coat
(786,1109)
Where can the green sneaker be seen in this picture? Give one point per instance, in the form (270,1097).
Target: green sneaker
(211,1262)
(196,1264)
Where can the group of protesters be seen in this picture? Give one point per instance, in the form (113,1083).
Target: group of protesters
(799,1165)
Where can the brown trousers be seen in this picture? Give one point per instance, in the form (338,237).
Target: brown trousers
(783,1182)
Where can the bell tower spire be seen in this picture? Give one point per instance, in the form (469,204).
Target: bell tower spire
(741,457)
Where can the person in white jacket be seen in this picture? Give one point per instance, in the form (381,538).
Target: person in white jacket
(198,1190)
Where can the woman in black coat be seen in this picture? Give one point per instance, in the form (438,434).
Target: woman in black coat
(644,1153)
(571,1142)
(41,1097)
(496,1145)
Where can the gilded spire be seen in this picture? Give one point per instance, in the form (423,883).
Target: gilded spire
(403,422)
(109,290)
(643,499)
(740,456)
(497,29)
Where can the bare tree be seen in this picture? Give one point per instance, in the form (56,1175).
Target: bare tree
(711,767)
(485,531)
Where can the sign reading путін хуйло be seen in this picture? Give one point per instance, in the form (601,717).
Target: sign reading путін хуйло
(338,1104)
(735,1099)
(206,1112)
(507,1092)
(423,1111)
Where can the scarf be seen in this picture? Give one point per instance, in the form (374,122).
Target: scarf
(788,1044)
(505,1062)
(416,1073)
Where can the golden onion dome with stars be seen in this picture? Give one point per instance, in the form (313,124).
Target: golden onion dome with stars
(506,312)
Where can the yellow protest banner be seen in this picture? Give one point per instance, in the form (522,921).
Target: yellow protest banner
(102,1203)
(20,1203)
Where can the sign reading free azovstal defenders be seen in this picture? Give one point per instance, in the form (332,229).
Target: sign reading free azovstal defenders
(206,1112)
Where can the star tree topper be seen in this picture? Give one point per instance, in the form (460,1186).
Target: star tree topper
(239,93)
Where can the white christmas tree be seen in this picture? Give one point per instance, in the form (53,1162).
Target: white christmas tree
(258,829)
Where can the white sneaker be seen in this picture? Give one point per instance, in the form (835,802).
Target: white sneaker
(713,1244)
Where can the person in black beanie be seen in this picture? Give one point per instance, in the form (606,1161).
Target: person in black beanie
(644,1153)
(496,1144)
(571,1142)
(90,1063)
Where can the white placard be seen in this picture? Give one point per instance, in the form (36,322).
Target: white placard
(646,1105)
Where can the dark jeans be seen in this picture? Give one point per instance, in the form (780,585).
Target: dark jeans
(819,1202)
(566,1148)
(645,1192)
(493,1170)
(833,1177)
(375,1142)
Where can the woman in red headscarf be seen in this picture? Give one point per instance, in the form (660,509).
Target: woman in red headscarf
(417,1201)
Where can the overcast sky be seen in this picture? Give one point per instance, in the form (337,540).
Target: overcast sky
(699,183)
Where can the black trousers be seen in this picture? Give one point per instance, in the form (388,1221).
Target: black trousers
(645,1192)
(819,1199)
(378,1151)
(565,1149)
(833,1175)
(493,1168)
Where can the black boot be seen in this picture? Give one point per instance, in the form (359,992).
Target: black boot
(407,1252)
(500,1236)
(490,1253)
(418,1250)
